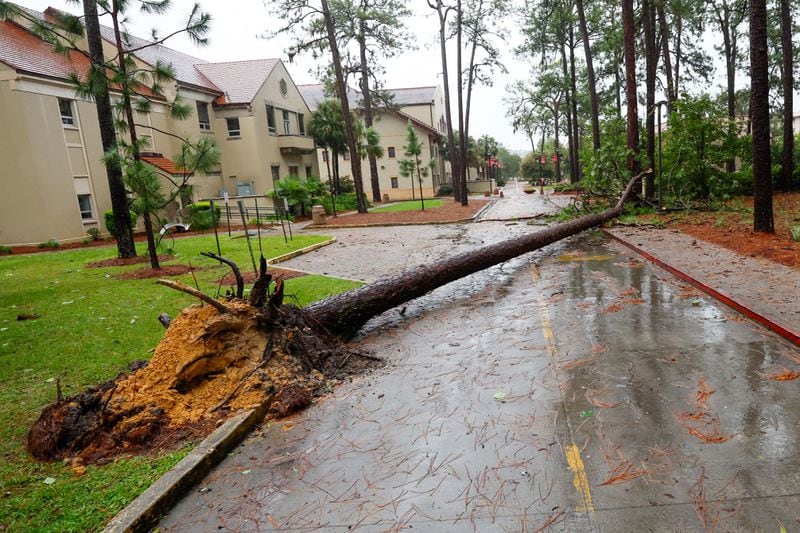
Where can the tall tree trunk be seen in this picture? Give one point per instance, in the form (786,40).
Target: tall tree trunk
(557,165)
(367,98)
(729,36)
(665,35)
(593,101)
(128,109)
(651,63)
(759,109)
(348,119)
(787,157)
(448,115)
(630,86)
(617,62)
(462,144)
(346,313)
(108,136)
(570,143)
(678,55)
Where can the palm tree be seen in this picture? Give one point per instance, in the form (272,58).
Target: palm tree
(413,149)
(369,143)
(327,128)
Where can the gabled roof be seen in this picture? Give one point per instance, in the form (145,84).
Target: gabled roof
(238,80)
(418,122)
(25,52)
(164,164)
(413,95)
(183,64)
(314,93)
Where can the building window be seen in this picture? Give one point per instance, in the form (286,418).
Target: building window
(276,172)
(287,125)
(395,184)
(390,152)
(233,127)
(85,204)
(301,125)
(65,108)
(244,188)
(271,119)
(294,170)
(202,116)
(309,171)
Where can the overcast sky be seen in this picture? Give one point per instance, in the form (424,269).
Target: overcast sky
(236,25)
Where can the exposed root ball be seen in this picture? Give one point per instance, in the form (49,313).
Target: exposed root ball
(207,366)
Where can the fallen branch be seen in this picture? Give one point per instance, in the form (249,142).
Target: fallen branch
(181,287)
(234,268)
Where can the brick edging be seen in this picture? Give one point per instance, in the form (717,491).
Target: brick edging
(757,317)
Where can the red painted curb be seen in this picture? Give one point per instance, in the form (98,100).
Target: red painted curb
(784,332)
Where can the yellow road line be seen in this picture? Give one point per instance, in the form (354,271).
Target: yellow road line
(579,480)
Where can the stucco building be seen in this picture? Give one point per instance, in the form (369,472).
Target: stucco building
(53,180)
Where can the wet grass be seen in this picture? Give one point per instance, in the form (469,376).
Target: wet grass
(411,205)
(85,326)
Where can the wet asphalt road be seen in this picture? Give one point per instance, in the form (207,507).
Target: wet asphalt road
(576,389)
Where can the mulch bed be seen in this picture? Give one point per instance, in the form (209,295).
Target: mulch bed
(449,212)
(250,277)
(735,231)
(120,261)
(164,271)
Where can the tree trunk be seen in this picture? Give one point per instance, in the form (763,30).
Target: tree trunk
(348,119)
(576,137)
(462,140)
(759,109)
(664,29)
(651,63)
(108,136)
(448,115)
(570,142)
(343,315)
(557,165)
(630,86)
(593,101)
(367,97)
(787,157)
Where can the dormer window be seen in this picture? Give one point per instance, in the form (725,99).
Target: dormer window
(203,118)
(65,108)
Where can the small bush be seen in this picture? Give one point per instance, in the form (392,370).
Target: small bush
(445,190)
(4,249)
(201,218)
(346,186)
(84,242)
(52,243)
(795,233)
(93,233)
(344,202)
(109,218)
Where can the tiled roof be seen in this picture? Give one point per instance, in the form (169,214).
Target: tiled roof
(418,122)
(162,163)
(314,93)
(25,52)
(238,80)
(183,64)
(413,95)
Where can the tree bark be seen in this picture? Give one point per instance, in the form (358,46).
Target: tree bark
(759,109)
(367,97)
(593,101)
(651,63)
(343,315)
(348,119)
(630,86)
(787,157)
(665,35)
(108,136)
(576,174)
(462,140)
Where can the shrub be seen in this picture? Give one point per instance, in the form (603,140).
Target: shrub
(201,217)
(4,249)
(445,190)
(52,243)
(85,241)
(94,233)
(796,233)
(109,218)
(300,194)
(346,186)
(344,202)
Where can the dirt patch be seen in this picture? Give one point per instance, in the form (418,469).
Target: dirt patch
(733,230)
(126,261)
(250,277)
(164,271)
(208,366)
(449,212)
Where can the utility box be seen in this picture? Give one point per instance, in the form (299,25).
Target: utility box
(318,215)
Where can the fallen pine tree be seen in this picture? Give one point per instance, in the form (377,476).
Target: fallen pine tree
(234,353)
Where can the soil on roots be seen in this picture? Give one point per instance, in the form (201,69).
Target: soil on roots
(207,367)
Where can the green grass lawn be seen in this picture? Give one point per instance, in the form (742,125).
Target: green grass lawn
(91,325)
(411,205)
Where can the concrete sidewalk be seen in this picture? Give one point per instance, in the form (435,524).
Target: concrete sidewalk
(768,288)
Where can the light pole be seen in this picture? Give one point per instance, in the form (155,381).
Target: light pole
(658,105)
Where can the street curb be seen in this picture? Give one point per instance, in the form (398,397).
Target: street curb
(389,225)
(489,204)
(301,251)
(757,317)
(144,512)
